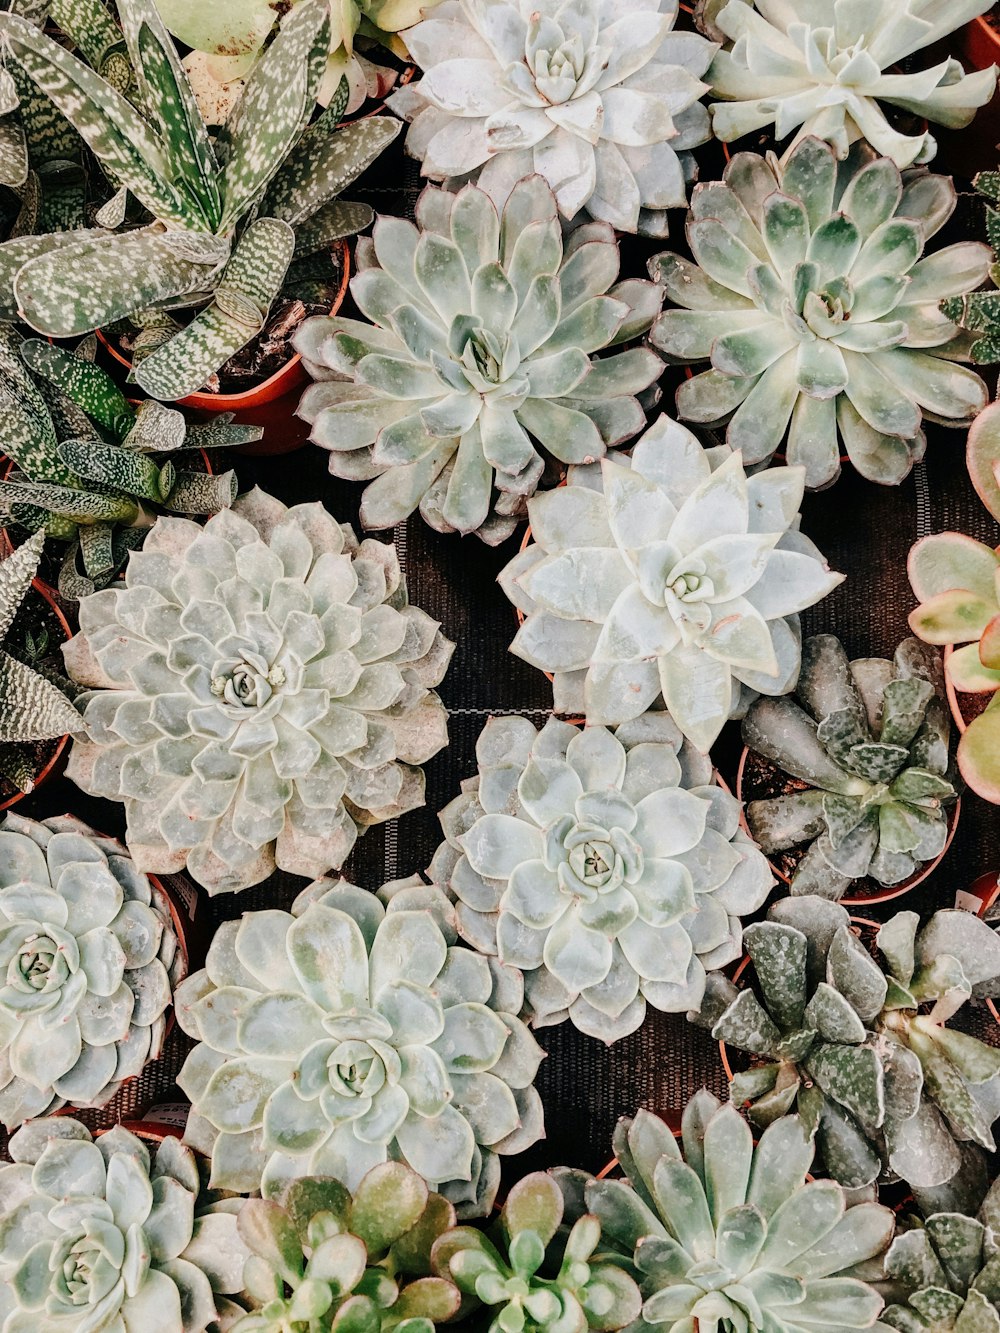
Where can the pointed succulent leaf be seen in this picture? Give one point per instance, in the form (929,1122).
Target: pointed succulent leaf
(85,383)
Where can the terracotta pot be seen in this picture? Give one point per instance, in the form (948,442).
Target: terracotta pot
(859,897)
(965,707)
(980,44)
(152,1132)
(270,404)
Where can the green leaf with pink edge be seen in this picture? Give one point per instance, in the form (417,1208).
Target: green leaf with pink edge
(957,616)
(949,560)
(967,674)
(983,458)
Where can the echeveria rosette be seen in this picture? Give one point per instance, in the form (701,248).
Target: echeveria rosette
(599,98)
(822,322)
(478,365)
(103,1236)
(822,67)
(728,1236)
(603,864)
(670,574)
(346,1033)
(88,961)
(260,692)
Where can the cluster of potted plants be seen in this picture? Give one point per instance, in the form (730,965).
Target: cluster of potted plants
(251,683)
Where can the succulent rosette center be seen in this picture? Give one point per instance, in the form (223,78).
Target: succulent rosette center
(591,859)
(86,1264)
(247,682)
(40,964)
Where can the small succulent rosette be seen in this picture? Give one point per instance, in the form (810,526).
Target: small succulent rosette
(351,1031)
(260,692)
(90,958)
(605,865)
(668,575)
(105,1236)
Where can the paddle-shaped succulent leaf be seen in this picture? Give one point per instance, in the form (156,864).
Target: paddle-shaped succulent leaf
(857,1041)
(259,692)
(603,864)
(532,1272)
(344,1034)
(823,67)
(320,1259)
(957,582)
(223,215)
(726,1235)
(600,100)
(668,574)
(862,753)
(478,367)
(106,1235)
(822,322)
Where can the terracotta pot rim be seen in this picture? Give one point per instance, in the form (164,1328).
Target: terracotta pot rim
(154,1131)
(981,31)
(866,899)
(282,381)
(954,701)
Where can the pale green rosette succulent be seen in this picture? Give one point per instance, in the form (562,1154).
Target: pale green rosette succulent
(822,321)
(728,1236)
(260,693)
(347,1033)
(670,574)
(823,67)
(89,960)
(478,368)
(106,1237)
(603,864)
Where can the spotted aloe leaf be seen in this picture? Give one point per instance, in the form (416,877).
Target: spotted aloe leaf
(98,38)
(319,168)
(332,222)
(109,465)
(29,437)
(199,493)
(91,388)
(17,252)
(249,283)
(80,506)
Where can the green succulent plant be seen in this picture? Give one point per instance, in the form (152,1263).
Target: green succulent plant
(859,1044)
(864,748)
(956,580)
(406,1048)
(604,864)
(90,960)
(810,297)
(823,67)
(727,1236)
(324,1262)
(669,574)
(479,365)
(533,1274)
(103,1235)
(944,1273)
(223,218)
(259,693)
(90,469)
(35,704)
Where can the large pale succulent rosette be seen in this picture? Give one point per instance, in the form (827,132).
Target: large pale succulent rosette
(598,96)
(260,692)
(604,864)
(812,298)
(355,1030)
(89,959)
(103,1236)
(823,67)
(669,575)
(477,372)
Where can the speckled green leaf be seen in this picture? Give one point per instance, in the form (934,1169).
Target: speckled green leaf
(852,1075)
(98,39)
(133,473)
(85,286)
(156,429)
(248,285)
(221,433)
(332,222)
(16,573)
(13,153)
(81,506)
(31,708)
(317,170)
(62,205)
(50,136)
(97,548)
(746,1025)
(199,493)
(779,958)
(14,254)
(91,388)
(28,435)
(946,1087)
(853,971)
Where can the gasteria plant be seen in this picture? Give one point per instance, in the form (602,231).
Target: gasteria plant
(533,1273)
(320,1259)
(478,366)
(726,1235)
(600,100)
(347,1033)
(822,322)
(859,1044)
(90,469)
(260,692)
(90,959)
(863,754)
(101,1235)
(822,67)
(957,582)
(35,705)
(224,217)
(670,574)
(603,864)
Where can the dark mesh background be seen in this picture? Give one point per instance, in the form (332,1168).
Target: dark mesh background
(864,530)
